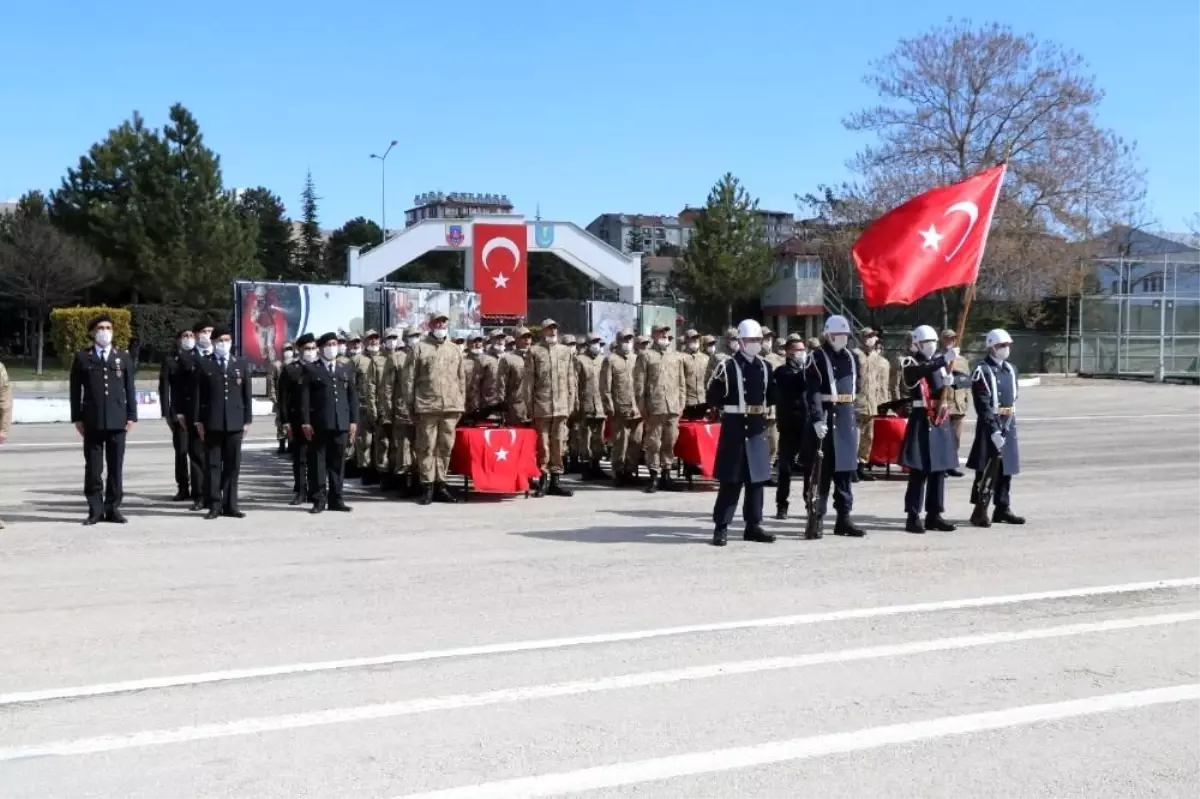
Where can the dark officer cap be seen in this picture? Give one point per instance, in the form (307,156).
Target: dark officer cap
(95,320)
(221,330)
(184,331)
(307,338)
(327,338)
(201,325)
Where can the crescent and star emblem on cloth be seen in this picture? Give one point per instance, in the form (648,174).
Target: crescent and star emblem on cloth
(933,239)
(501,454)
(500,243)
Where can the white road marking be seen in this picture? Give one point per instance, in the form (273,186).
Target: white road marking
(665,768)
(249,443)
(104,689)
(253,726)
(1104,417)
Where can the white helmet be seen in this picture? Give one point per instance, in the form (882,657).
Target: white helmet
(749,329)
(837,325)
(997,337)
(924,333)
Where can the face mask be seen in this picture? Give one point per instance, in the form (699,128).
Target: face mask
(329,353)
(768,345)
(928,348)
(711,349)
(523,345)
(594,349)
(203,341)
(288,356)
(390,344)
(870,342)
(187,344)
(477,351)
(551,340)
(221,348)
(796,355)
(752,348)
(626,347)
(496,349)
(838,342)
(353,351)
(1001,353)
(373,349)
(693,346)
(734,346)
(412,341)
(103,337)
(308,356)
(341,349)
(439,333)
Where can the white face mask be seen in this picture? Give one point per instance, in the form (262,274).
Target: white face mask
(329,353)
(497,348)
(797,356)
(308,356)
(103,338)
(288,356)
(594,349)
(353,351)
(625,347)
(869,343)
(477,351)
(413,341)
(838,342)
(203,341)
(693,346)
(523,345)
(341,349)
(187,344)
(390,344)
(439,333)
(928,348)
(752,348)
(221,348)
(373,349)
(711,349)
(734,346)
(551,340)
(768,345)
(1001,353)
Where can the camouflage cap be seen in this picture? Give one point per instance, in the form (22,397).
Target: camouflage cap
(509,340)
(626,332)
(691,333)
(371,334)
(354,337)
(438,316)
(795,337)
(568,339)
(459,338)
(949,333)
(594,336)
(767,332)
(731,333)
(642,339)
(708,338)
(289,345)
(867,331)
(495,334)
(814,343)
(658,328)
(548,323)
(477,336)
(392,332)
(522,331)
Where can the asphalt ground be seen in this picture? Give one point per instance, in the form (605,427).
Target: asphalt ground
(598,645)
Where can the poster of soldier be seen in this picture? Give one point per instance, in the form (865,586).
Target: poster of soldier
(609,318)
(270,314)
(411,308)
(656,316)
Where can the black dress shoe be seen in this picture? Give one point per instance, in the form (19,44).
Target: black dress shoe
(844,525)
(92,519)
(233,513)
(116,517)
(954,473)
(781,511)
(1003,515)
(936,522)
(913,524)
(213,513)
(720,537)
(182,495)
(864,475)
(197,504)
(758,535)
(318,507)
(297,498)
(340,507)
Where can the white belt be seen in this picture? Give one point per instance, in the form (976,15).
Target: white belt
(749,410)
(836,398)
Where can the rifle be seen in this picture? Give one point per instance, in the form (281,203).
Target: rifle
(812,492)
(983,489)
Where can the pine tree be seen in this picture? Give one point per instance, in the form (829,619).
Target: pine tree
(276,248)
(358,232)
(727,261)
(310,262)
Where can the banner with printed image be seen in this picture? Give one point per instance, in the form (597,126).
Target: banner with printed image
(656,316)
(411,309)
(607,319)
(270,314)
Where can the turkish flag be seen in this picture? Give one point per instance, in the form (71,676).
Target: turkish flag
(500,268)
(502,459)
(933,241)
(697,445)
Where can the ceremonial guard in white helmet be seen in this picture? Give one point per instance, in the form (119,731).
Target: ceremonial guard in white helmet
(928,451)
(832,384)
(741,388)
(994,390)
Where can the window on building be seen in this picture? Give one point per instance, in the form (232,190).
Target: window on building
(1153,284)
(659,233)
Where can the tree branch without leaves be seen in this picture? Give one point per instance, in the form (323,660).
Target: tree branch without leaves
(41,267)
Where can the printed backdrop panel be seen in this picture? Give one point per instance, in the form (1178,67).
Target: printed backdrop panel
(411,309)
(270,314)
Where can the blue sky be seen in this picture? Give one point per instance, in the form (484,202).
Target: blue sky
(582,107)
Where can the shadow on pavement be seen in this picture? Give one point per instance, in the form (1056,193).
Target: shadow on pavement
(624,535)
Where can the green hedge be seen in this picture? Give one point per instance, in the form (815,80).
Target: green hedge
(155,327)
(68,329)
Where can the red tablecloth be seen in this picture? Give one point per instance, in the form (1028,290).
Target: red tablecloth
(499,460)
(889,439)
(697,444)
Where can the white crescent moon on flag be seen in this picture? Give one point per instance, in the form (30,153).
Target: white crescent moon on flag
(487,436)
(504,243)
(971,210)
(513,435)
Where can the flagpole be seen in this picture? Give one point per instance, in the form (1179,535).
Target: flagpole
(970,294)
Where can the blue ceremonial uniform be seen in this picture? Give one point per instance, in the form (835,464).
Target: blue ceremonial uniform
(831,385)
(741,388)
(928,451)
(994,391)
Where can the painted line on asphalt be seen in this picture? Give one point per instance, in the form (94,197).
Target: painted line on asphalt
(177,681)
(773,752)
(388,710)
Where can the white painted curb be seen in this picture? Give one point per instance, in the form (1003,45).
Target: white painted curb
(43,411)
(1026,382)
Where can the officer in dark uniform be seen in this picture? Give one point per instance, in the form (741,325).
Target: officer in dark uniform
(292,385)
(174,391)
(188,362)
(328,417)
(928,451)
(103,409)
(994,390)
(223,409)
(832,385)
(741,388)
(791,411)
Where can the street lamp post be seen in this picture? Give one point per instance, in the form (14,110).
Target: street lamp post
(383,187)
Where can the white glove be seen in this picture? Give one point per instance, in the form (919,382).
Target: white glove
(951,354)
(998,441)
(820,428)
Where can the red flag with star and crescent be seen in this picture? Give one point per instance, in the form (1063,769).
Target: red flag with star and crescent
(933,241)
(500,268)
(502,460)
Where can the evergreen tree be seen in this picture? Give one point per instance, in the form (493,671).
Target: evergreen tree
(276,249)
(727,261)
(310,262)
(358,232)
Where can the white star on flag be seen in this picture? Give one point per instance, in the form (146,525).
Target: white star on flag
(502,454)
(501,281)
(932,238)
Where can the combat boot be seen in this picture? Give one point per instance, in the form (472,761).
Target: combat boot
(864,475)
(720,536)
(539,490)
(441,493)
(934,521)
(297,498)
(815,528)
(913,524)
(781,511)
(844,525)
(653,487)
(1004,515)
(979,517)
(556,489)
(283,448)
(667,482)
(758,535)
(370,477)
(596,471)
(426,495)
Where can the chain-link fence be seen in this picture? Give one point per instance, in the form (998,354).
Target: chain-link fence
(1147,323)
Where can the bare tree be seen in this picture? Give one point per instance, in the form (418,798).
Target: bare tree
(960,98)
(41,268)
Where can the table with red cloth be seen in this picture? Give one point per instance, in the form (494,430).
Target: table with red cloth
(497,460)
(697,445)
(889,439)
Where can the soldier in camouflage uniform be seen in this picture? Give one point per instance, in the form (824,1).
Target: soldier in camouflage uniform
(774,360)
(274,370)
(381,444)
(572,459)
(616,390)
(695,367)
(588,367)
(485,385)
(960,397)
(551,385)
(896,367)
(659,389)
(393,410)
(434,386)
(731,345)
(364,433)
(512,374)
(874,389)
(472,354)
